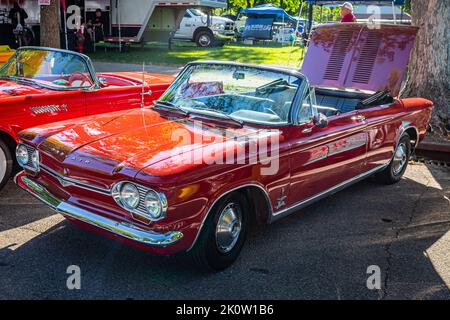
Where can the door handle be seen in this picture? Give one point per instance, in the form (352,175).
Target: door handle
(358,118)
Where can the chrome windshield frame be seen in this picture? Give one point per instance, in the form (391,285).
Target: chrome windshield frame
(86,59)
(298,96)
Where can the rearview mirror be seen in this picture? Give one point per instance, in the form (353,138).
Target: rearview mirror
(320,120)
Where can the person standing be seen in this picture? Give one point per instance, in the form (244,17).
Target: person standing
(17,15)
(347,13)
(98,25)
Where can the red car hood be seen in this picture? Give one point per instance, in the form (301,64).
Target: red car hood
(12,89)
(124,143)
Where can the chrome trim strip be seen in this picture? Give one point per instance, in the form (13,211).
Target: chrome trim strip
(123,229)
(282,213)
(65,182)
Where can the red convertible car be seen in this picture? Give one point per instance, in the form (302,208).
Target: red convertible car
(230,144)
(40,85)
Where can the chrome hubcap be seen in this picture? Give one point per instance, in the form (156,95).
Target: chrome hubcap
(204,41)
(2,165)
(400,158)
(228,228)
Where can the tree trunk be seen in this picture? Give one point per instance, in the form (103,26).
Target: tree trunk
(428,74)
(50,34)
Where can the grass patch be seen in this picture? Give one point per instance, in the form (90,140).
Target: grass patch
(182,53)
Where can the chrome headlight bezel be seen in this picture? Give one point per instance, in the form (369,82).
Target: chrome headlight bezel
(218,26)
(141,209)
(22,155)
(32,159)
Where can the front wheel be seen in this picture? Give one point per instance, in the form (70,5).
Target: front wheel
(223,235)
(6,164)
(204,39)
(394,171)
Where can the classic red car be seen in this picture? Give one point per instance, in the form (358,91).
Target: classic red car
(230,144)
(40,85)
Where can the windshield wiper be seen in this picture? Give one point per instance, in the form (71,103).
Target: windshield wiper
(274,83)
(223,113)
(168,106)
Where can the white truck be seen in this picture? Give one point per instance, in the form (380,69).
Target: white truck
(138,21)
(195,27)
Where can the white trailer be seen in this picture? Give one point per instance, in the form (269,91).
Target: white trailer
(137,21)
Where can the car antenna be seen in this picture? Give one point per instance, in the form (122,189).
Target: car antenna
(143,85)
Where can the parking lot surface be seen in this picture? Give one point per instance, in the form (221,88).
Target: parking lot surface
(321,252)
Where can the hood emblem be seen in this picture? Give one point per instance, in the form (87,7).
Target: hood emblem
(281,201)
(79,159)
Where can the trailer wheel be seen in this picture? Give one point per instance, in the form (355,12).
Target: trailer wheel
(204,38)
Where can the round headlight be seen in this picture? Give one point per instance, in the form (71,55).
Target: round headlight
(22,155)
(35,159)
(129,195)
(153,205)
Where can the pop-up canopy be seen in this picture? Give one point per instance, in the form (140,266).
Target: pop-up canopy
(269,10)
(383,2)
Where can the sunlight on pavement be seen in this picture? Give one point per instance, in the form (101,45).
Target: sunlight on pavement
(14,238)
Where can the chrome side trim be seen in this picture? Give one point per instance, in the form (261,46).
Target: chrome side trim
(220,197)
(282,213)
(122,229)
(65,182)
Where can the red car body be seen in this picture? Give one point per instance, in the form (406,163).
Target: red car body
(82,160)
(24,105)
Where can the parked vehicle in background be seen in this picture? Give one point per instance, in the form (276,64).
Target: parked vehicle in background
(139,21)
(270,141)
(41,85)
(5,53)
(195,27)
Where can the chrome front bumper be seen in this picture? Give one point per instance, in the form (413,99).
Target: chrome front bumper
(123,229)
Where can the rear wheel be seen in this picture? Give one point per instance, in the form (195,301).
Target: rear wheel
(223,235)
(397,167)
(6,164)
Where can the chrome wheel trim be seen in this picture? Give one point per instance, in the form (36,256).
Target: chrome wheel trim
(204,40)
(228,228)
(3,165)
(400,158)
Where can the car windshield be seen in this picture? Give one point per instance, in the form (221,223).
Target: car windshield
(54,69)
(197,12)
(247,94)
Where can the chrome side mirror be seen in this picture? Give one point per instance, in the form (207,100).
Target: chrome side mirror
(102,81)
(320,120)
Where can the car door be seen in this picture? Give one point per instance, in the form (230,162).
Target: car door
(52,107)
(322,159)
(186,26)
(111,99)
(382,124)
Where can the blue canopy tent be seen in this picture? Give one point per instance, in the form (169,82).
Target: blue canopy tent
(269,10)
(260,20)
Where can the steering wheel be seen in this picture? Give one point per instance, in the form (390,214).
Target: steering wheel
(85,80)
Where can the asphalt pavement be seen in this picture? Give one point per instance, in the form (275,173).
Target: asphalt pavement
(321,252)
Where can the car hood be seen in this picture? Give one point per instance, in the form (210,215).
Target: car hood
(221,20)
(13,89)
(125,143)
(360,56)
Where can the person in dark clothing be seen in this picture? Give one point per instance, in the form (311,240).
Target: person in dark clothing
(98,25)
(17,14)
